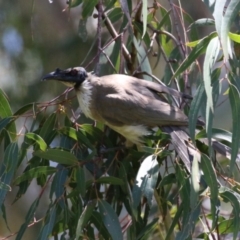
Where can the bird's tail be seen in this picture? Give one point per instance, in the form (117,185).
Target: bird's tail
(187,151)
(182,144)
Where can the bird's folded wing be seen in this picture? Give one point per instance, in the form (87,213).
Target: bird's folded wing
(136,109)
(163,89)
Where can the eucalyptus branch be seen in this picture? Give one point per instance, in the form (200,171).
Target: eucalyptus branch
(114,34)
(167,34)
(177,28)
(148,51)
(99,34)
(181,45)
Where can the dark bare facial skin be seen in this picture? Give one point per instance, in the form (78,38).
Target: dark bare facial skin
(71,77)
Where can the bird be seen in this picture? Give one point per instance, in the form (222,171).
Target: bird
(132,107)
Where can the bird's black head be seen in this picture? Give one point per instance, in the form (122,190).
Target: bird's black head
(72,77)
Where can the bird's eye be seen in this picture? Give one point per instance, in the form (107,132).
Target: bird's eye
(73,72)
(57,70)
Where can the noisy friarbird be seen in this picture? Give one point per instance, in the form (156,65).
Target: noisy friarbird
(128,105)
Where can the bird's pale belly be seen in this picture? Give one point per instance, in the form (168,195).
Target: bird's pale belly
(133,134)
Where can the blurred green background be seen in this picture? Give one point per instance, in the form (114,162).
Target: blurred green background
(36,38)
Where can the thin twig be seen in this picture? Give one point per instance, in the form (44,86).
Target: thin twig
(99,34)
(180,44)
(170,66)
(103,48)
(30,225)
(114,34)
(148,51)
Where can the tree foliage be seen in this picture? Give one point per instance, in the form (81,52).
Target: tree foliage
(97,190)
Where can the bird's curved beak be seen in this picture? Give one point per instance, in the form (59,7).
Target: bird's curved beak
(68,75)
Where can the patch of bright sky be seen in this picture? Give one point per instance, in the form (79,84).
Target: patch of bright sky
(12,41)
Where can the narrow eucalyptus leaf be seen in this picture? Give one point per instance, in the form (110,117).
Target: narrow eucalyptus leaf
(41,143)
(234,97)
(8,169)
(48,224)
(57,155)
(35,173)
(230,14)
(84,218)
(28,219)
(5,112)
(110,220)
(230,197)
(211,180)
(46,131)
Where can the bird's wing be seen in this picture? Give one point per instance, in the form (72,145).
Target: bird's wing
(123,104)
(155,87)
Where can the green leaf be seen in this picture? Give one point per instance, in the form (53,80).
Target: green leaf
(58,186)
(5,111)
(217,133)
(211,180)
(229,15)
(48,224)
(110,220)
(87,8)
(110,180)
(8,169)
(209,61)
(144,15)
(234,97)
(35,173)
(230,197)
(146,180)
(57,155)
(77,135)
(218,15)
(235,37)
(114,54)
(97,221)
(176,219)
(139,28)
(125,9)
(189,224)
(195,107)
(143,59)
(165,18)
(74,3)
(115,14)
(194,54)
(28,218)
(227,226)
(81,181)
(41,143)
(85,217)
(202,22)
(94,132)
(148,229)
(195,186)
(4,122)
(5,186)
(168,179)
(47,132)
(25,108)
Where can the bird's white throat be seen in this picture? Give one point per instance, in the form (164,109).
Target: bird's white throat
(84,97)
